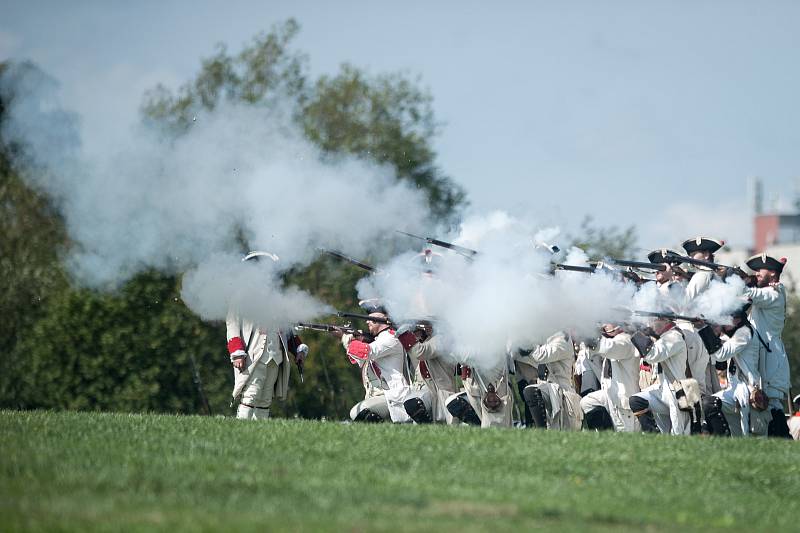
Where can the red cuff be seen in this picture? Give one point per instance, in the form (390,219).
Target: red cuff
(357,350)
(234,344)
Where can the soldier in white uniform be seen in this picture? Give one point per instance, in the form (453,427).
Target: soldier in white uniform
(702,248)
(554,403)
(671,285)
(526,373)
(656,407)
(588,369)
(767,315)
(261,360)
(437,378)
(609,408)
(671,282)
(729,412)
(387,360)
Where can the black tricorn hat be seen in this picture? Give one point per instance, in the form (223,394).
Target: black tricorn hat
(759,261)
(663,256)
(373,305)
(702,244)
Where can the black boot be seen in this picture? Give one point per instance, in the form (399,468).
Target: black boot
(778,426)
(365,415)
(460,408)
(641,408)
(599,419)
(715,419)
(415,408)
(521,384)
(535,402)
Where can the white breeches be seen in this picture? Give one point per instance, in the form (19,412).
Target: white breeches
(376,404)
(624,420)
(664,407)
(742,419)
(257,397)
(563,407)
(475,393)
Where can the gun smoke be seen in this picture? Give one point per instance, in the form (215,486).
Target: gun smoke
(176,204)
(245,173)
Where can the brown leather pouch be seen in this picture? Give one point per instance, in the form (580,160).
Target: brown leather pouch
(758,399)
(491,400)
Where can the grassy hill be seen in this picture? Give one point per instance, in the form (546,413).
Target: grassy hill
(80,471)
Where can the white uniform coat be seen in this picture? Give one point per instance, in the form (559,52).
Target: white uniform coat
(619,380)
(389,359)
(767,315)
(743,348)
(256,342)
(563,403)
(441,382)
(700,281)
(669,354)
(622,357)
(699,361)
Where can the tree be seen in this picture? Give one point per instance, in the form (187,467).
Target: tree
(600,243)
(385,118)
(33,238)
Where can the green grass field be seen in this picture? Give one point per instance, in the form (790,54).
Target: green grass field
(79,471)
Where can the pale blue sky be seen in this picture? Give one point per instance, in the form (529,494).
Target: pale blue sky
(643,113)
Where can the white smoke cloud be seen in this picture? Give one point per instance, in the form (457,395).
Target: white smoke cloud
(505,293)
(177,204)
(252,288)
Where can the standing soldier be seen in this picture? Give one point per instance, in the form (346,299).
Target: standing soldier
(767,314)
(260,359)
(554,403)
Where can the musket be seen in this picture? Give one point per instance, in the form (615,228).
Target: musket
(359,264)
(575,268)
(637,264)
(707,264)
(667,315)
(376,319)
(467,252)
(326,327)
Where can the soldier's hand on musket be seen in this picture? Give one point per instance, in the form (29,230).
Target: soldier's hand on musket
(238,363)
(337,332)
(677,271)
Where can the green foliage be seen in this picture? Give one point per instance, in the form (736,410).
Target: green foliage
(260,74)
(386,118)
(85,472)
(33,237)
(129,351)
(600,243)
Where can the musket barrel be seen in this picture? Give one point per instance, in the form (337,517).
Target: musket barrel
(575,268)
(443,244)
(638,264)
(359,264)
(376,319)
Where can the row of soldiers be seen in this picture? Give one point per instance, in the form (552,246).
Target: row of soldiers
(675,376)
